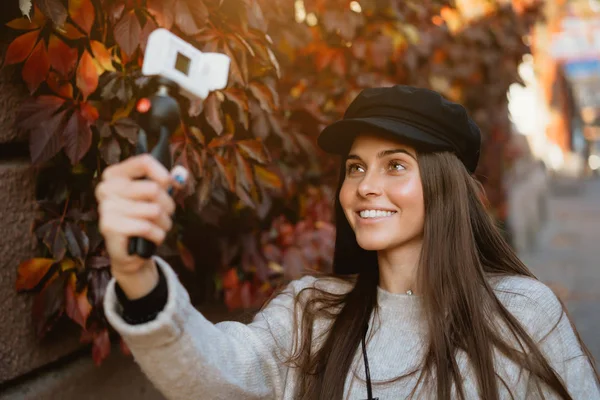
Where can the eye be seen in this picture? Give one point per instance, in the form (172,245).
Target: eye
(351,168)
(396,166)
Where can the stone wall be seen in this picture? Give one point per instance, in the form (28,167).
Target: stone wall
(59,366)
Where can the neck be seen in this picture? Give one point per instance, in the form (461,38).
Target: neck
(398,267)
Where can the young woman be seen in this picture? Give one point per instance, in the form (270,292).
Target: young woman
(428,301)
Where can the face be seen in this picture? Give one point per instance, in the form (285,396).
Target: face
(382,195)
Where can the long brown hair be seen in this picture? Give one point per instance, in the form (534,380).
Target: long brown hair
(457,297)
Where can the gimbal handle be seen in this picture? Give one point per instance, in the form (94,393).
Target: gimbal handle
(160,115)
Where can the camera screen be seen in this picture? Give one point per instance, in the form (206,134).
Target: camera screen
(182,64)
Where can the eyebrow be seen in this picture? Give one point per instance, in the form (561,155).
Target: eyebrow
(382,154)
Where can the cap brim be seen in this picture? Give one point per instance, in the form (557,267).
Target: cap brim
(338,137)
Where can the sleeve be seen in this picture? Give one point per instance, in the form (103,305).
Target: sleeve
(146,308)
(559,344)
(186,356)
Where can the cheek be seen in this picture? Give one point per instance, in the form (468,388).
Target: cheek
(409,198)
(346,196)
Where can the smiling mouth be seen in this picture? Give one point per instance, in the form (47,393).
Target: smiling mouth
(373,214)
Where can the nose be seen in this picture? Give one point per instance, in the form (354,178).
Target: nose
(370,185)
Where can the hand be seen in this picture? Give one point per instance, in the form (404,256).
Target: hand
(130,207)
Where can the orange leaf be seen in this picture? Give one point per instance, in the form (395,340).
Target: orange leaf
(102,55)
(101,347)
(21,47)
(71,32)
(231,279)
(62,57)
(255,150)
(267,177)
(58,86)
(31,272)
(220,141)
(37,21)
(89,112)
(83,13)
(186,256)
(77,305)
(87,75)
(226,170)
(36,67)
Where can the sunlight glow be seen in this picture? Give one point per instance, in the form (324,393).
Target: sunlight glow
(355,6)
(300,11)
(311,19)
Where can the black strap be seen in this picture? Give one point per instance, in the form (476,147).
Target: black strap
(367,371)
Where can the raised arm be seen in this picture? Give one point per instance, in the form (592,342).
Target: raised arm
(188,357)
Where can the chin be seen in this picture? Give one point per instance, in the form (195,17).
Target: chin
(372,244)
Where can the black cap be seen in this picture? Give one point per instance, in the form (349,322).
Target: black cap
(421,117)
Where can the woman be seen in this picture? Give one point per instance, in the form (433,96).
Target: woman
(428,300)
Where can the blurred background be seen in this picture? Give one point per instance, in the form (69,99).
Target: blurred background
(258,210)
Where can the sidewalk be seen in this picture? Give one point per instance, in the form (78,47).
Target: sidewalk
(567,254)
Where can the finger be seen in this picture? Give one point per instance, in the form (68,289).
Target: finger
(142,166)
(115,224)
(152,212)
(143,190)
(179,177)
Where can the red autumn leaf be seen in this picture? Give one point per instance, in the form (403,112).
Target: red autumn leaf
(25,24)
(71,32)
(87,75)
(78,242)
(53,9)
(31,272)
(49,305)
(37,111)
(89,112)
(263,95)
(236,71)
(186,256)
(163,11)
(231,279)
(77,139)
(213,113)
(190,14)
(21,47)
(240,99)
(110,150)
(244,171)
(46,140)
(226,170)
(255,150)
(150,27)
(36,68)
(127,129)
(256,19)
(63,58)
(260,121)
(124,348)
(77,306)
(101,347)
(59,86)
(83,14)
(102,55)
(220,141)
(128,33)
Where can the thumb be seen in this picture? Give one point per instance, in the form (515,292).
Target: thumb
(179,177)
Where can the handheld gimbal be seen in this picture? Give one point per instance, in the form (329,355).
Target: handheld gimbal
(176,66)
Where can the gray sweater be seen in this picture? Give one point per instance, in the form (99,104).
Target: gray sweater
(188,357)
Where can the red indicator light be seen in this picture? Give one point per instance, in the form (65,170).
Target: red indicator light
(144,105)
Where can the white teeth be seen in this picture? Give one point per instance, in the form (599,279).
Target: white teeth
(375,213)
